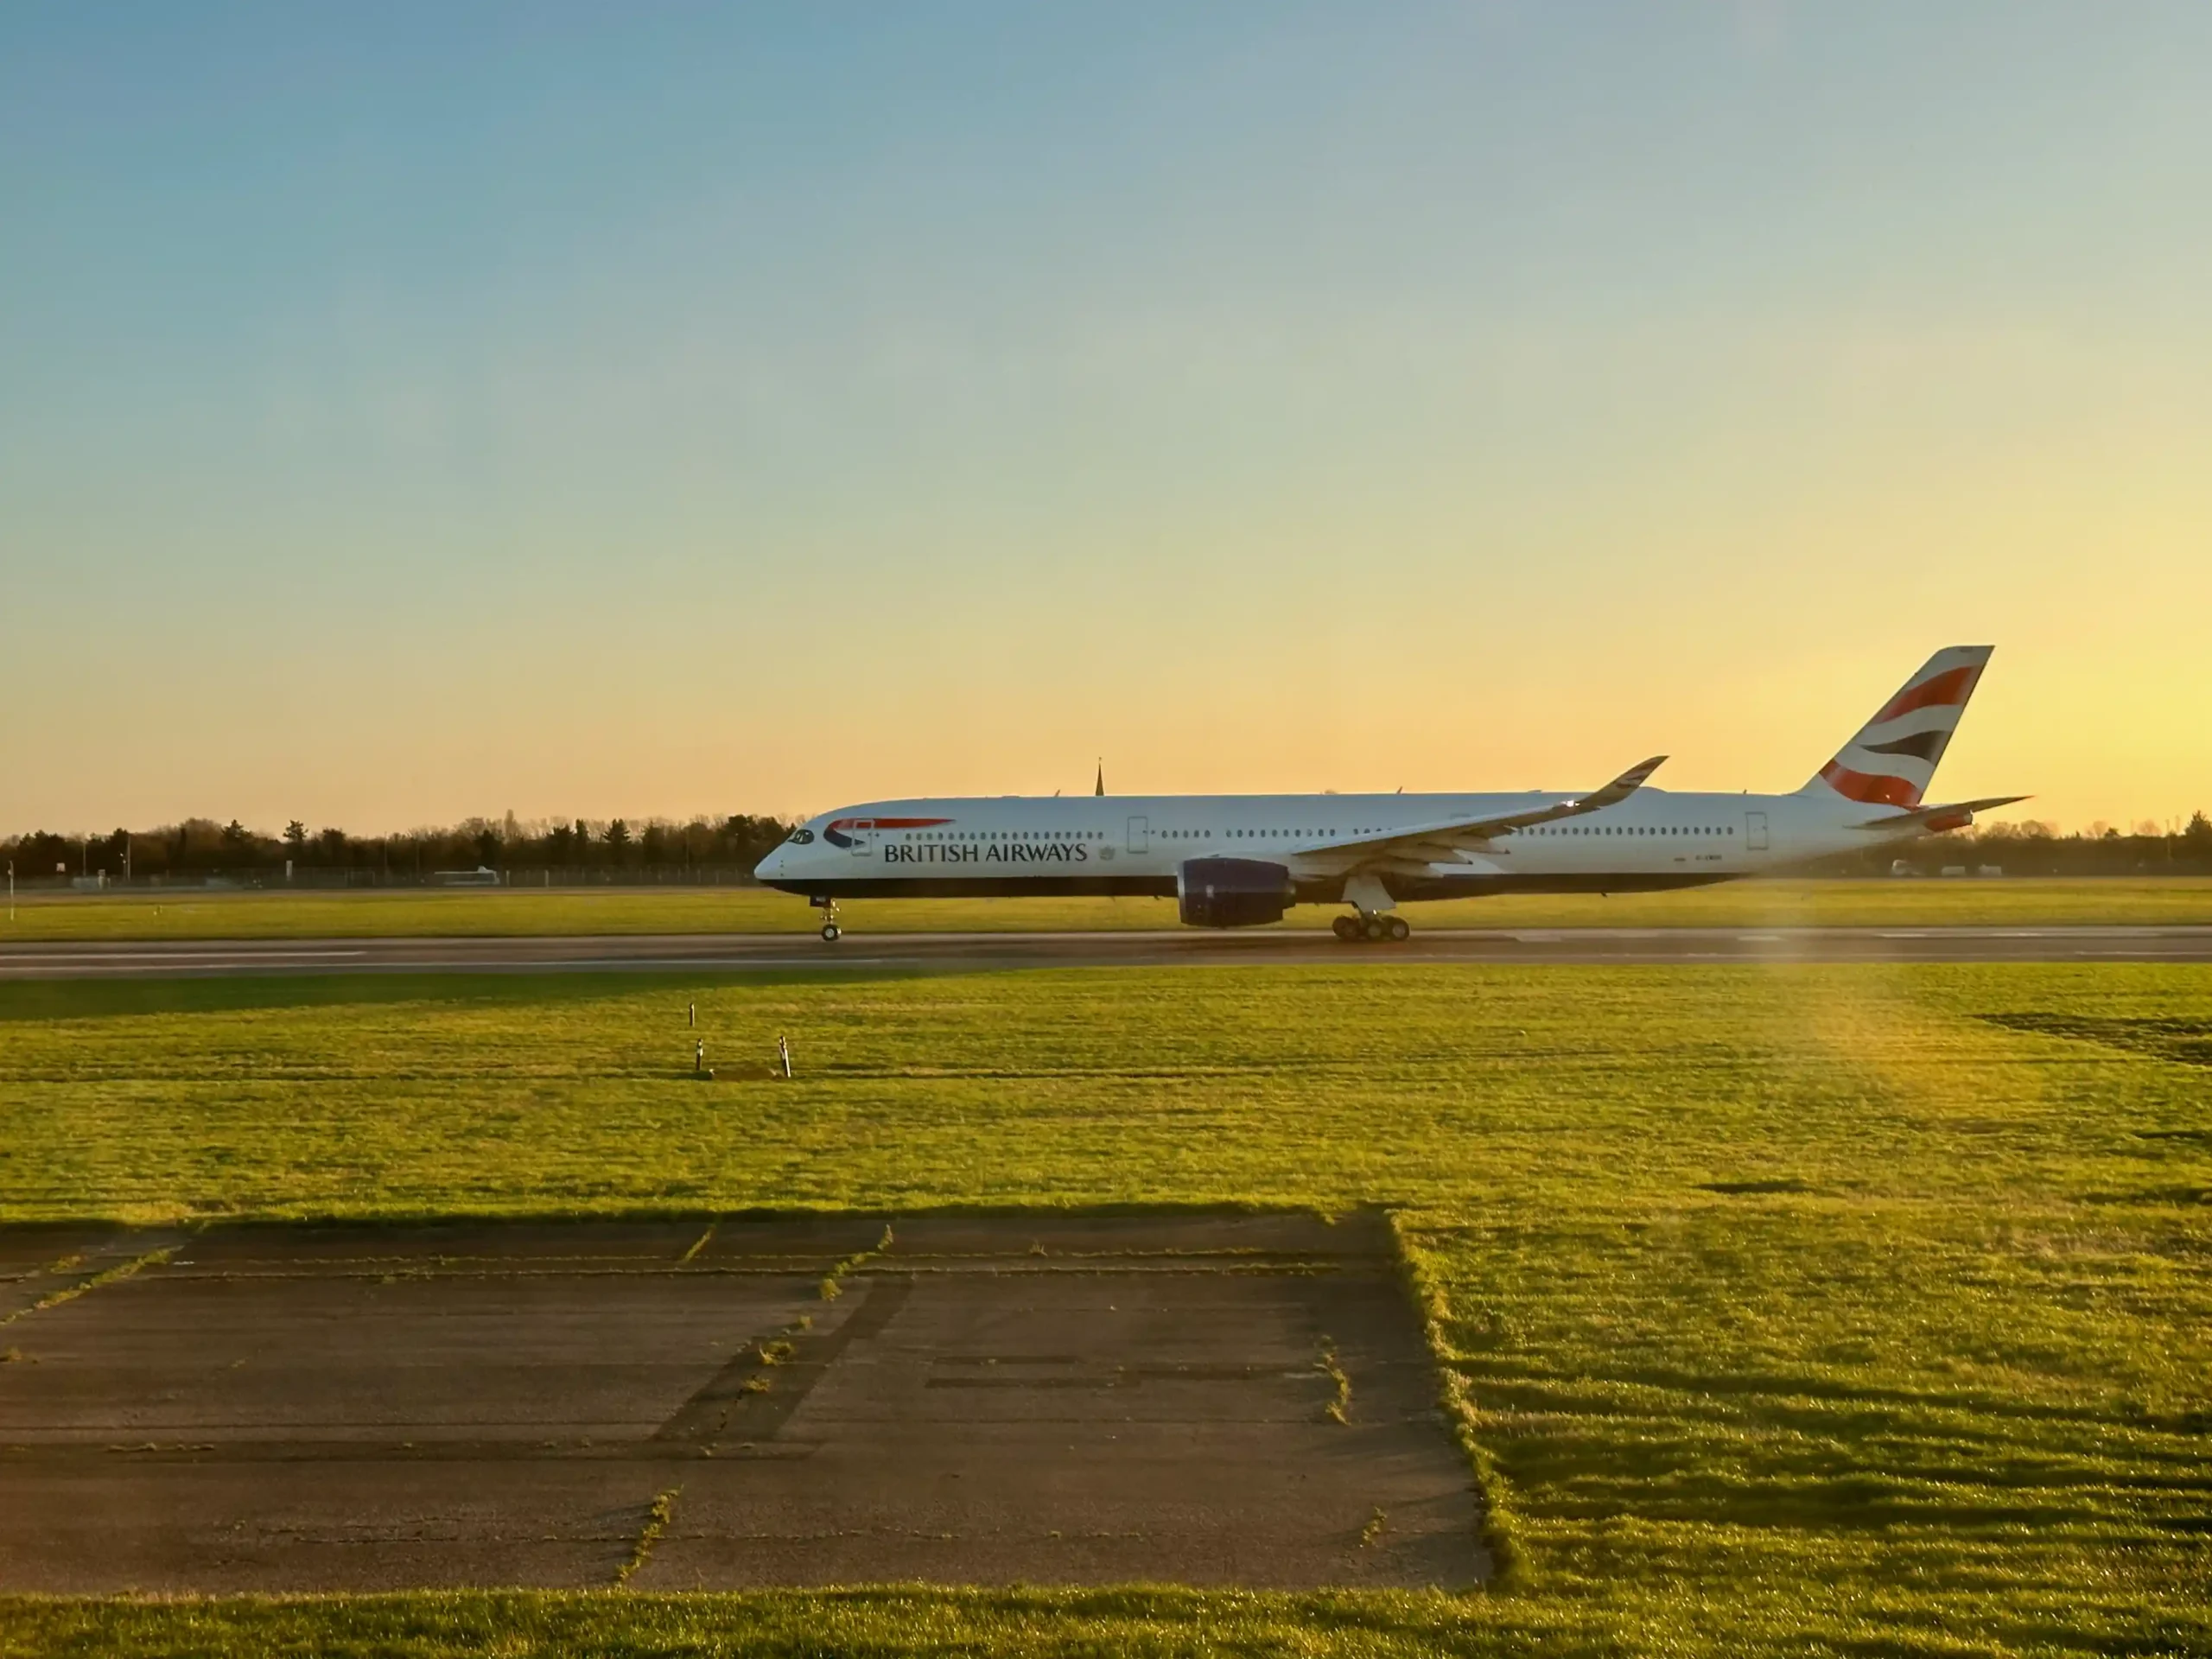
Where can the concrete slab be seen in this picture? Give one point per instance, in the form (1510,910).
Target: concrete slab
(1045,1398)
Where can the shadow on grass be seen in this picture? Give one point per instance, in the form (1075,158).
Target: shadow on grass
(1535,1387)
(99,999)
(2186,1042)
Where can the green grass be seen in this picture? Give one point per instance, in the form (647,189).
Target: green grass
(417,913)
(1801,1309)
(1032,1623)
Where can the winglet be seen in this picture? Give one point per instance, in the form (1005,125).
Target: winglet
(1621,787)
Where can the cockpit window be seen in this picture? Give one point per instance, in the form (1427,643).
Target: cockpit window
(800,837)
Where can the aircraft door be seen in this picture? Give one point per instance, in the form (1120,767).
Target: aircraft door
(1755,832)
(862,832)
(1140,835)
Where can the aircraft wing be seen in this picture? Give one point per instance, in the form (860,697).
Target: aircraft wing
(1446,838)
(1935,812)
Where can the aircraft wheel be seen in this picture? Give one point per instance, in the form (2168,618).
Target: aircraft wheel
(831,932)
(1399,930)
(1375,929)
(1346,928)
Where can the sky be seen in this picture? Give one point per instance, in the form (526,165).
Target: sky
(416,411)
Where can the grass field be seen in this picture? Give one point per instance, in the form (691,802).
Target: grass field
(1790,1310)
(417,912)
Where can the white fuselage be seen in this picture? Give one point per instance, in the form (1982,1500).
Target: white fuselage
(1239,860)
(1139,844)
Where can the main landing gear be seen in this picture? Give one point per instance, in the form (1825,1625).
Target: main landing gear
(1370,929)
(1370,921)
(830,931)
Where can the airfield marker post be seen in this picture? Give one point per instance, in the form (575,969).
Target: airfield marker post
(691,1013)
(699,1058)
(784,1054)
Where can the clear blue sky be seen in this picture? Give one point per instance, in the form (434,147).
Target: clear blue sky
(412,411)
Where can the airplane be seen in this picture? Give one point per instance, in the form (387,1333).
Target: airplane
(1242,860)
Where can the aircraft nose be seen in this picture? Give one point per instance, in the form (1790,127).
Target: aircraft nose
(770,866)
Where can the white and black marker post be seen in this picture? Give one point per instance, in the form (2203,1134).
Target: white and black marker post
(699,1058)
(784,1054)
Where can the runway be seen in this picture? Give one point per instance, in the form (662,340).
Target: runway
(973,952)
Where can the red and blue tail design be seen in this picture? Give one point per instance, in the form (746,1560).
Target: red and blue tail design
(1893,761)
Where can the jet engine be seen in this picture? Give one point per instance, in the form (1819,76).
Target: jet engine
(1232,892)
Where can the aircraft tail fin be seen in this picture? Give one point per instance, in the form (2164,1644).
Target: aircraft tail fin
(1893,759)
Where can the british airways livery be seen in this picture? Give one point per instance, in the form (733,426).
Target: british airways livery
(1241,861)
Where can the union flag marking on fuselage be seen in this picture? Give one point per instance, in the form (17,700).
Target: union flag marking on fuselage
(839,832)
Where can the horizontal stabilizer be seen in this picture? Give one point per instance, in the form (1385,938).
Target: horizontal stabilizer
(1933,816)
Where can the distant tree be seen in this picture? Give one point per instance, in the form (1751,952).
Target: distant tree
(38,850)
(2196,839)
(747,840)
(332,843)
(296,838)
(618,840)
(487,846)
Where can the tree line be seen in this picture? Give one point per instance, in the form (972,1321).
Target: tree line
(607,849)
(2040,850)
(618,849)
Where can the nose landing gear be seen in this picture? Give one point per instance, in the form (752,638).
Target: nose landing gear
(830,931)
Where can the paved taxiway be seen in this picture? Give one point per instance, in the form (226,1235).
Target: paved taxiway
(911,952)
(1059,1398)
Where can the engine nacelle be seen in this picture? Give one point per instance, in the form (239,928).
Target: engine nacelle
(1232,892)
